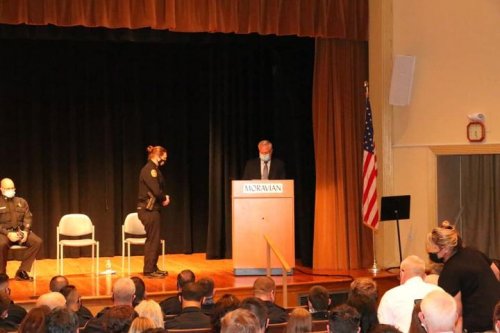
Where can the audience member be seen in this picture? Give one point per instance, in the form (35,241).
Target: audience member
(344,319)
(173,305)
(258,308)
(140,324)
(225,304)
(468,275)
(240,321)
(58,282)
(51,299)
(61,320)
(16,312)
(4,313)
(191,315)
(122,296)
(208,303)
(74,303)
(318,302)
(300,321)
(264,288)
(34,322)
(152,310)
(140,290)
(118,319)
(396,305)
(438,312)
(363,297)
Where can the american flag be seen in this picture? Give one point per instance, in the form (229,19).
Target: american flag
(370,207)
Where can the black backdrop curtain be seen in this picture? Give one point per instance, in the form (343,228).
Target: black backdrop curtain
(76,116)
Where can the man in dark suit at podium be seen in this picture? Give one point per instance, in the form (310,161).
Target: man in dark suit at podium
(264,167)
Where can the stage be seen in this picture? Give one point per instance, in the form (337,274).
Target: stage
(96,291)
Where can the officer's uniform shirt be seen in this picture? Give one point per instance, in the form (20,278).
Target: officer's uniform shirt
(151,180)
(14,213)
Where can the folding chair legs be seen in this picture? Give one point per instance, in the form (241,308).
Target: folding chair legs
(60,258)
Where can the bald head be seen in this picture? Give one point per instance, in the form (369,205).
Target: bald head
(264,288)
(52,300)
(8,188)
(58,282)
(410,267)
(438,312)
(7,183)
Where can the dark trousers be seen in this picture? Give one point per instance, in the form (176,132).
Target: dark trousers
(152,247)
(34,244)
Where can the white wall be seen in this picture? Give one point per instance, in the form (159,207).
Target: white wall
(457,48)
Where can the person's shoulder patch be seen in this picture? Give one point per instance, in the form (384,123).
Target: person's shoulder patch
(154,174)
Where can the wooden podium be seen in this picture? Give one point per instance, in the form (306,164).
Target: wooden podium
(262,207)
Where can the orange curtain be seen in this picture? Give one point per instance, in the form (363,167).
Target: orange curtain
(347,19)
(340,240)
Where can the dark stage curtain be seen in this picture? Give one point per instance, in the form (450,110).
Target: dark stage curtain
(76,117)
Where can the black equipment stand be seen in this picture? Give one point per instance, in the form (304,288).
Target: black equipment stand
(396,208)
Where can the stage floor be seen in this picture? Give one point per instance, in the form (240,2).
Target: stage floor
(96,290)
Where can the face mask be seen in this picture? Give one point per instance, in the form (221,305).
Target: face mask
(265,157)
(434,258)
(9,193)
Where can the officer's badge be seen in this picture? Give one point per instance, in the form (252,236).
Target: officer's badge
(154,174)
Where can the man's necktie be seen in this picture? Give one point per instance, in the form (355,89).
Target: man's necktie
(265,172)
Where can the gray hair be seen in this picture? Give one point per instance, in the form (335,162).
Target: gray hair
(123,290)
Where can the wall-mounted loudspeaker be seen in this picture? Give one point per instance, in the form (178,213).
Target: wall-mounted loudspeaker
(402,80)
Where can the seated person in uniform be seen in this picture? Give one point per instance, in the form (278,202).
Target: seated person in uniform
(15,228)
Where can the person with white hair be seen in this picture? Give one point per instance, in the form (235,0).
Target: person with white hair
(396,306)
(152,310)
(122,295)
(51,299)
(438,312)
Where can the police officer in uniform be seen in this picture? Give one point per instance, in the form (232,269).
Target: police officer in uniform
(151,198)
(15,224)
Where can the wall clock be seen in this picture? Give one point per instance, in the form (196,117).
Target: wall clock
(475,131)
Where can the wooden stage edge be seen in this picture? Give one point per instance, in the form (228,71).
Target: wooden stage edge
(96,290)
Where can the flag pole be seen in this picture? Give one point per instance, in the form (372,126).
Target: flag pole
(374,269)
